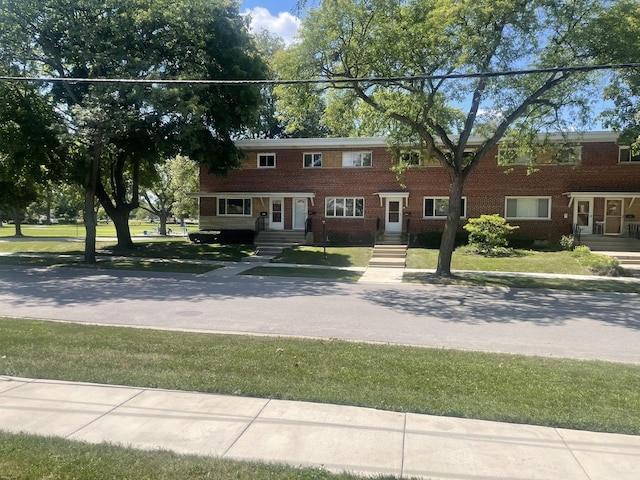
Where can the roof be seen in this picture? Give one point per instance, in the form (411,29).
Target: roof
(372,142)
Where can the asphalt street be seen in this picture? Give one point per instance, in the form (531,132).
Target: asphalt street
(555,323)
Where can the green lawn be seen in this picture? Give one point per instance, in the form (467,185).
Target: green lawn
(526,261)
(596,396)
(31,457)
(335,256)
(78,230)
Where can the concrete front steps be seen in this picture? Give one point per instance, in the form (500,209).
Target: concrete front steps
(626,250)
(271,243)
(389,252)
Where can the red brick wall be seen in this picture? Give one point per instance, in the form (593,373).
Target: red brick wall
(485,189)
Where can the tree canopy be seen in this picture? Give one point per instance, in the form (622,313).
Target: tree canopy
(394,56)
(30,151)
(121,129)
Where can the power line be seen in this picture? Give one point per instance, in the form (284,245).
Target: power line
(447,76)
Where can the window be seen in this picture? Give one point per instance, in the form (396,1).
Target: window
(344,207)
(410,158)
(627,155)
(513,156)
(266,160)
(438,207)
(356,159)
(568,156)
(312,160)
(234,206)
(528,207)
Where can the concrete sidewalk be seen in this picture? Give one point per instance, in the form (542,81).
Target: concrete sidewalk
(337,438)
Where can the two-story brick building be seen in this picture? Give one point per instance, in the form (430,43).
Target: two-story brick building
(345,188)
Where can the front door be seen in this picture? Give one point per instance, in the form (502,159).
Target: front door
(300,213)
(613,217)
(393,222)
(276,214)
(583,215)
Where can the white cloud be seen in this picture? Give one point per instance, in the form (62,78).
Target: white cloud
(284,25)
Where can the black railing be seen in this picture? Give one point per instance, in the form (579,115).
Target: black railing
(308,226)
(576,234)
(634,230)
(260,221)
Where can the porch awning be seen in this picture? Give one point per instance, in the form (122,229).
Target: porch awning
(384,195)
(262,195)
(613,195)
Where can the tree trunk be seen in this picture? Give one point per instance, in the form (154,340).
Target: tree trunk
(90,224)
(90,214)
(121,222)
(447,244)
(163,223)
(18,229)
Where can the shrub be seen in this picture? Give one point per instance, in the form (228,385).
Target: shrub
(598,264)
(488,234)
(567,242)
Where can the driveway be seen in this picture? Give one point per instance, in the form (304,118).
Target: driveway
(541,322)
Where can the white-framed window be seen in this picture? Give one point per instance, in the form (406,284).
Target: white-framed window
(266,160)
(356,159)
(528,208)
(345,207)
(411,158)
(569,156)
(312,160)
(234,207)
(438,207)
(626,155)
(514,156)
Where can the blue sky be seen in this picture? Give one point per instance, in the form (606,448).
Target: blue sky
(276,16)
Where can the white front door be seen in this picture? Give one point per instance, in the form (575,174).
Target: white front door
(583,215)
(300,213)
(276,214)
(393,223)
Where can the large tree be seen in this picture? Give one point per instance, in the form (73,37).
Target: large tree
(165,190)
(615,38)
(123,128)
(30,151)
(414,46)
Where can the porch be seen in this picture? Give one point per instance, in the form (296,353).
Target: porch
(615,214)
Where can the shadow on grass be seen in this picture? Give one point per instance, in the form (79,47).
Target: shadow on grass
(184,251)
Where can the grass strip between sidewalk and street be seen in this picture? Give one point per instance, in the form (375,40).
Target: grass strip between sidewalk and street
(35,457)
(590,395)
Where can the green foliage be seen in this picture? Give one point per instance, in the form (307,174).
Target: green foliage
(567,242)
(365,40)
(119,130)
(598,264)
(488,235)
(613,38)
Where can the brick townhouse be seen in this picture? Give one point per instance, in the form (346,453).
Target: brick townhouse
(345,189)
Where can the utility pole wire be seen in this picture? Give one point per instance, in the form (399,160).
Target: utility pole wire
(448,76)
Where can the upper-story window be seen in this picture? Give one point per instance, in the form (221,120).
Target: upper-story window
(514,156)
(627,155)
(411,158)
(570,155)
(565,155)
(312,160)
(356,159)
(266,160)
